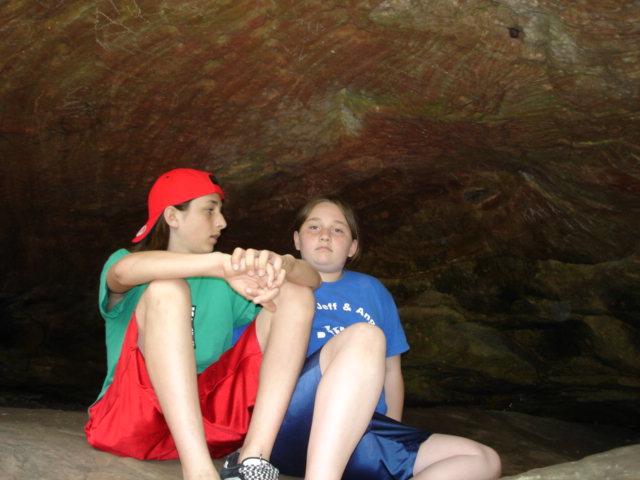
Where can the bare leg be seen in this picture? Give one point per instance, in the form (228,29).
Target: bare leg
(353,365)
(283,337)
(447,457)
(164,323)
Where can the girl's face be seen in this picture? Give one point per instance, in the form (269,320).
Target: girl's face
(325,242)
(196,229)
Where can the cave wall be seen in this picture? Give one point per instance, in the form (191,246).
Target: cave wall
(491,148)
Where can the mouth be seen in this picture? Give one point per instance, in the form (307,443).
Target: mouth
(323,248)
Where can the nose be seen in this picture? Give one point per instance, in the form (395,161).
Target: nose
(324,234)
(221,223)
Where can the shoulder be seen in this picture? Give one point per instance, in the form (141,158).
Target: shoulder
(364,280)
(357,277)
(113,304)
(112,260)
(117,255)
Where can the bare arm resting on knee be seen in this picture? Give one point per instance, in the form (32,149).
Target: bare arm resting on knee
(300,272)
(142,267)
(267,269)
(258,263)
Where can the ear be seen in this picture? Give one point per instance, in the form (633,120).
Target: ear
(170,215)
(353,248)
(296,240)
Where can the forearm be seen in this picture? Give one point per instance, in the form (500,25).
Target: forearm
(142,267)
(300,272)
(394,388)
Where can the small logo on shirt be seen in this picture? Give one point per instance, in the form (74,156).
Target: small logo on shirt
(345,307)
(329,329)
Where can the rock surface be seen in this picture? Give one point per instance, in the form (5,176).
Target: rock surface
(619,464)
(50,445)
(490,147)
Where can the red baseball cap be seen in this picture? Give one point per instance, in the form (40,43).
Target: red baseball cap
(173,188)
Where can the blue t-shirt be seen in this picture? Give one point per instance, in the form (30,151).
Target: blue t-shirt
(356,297)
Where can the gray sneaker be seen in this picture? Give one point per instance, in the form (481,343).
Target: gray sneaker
(251,468)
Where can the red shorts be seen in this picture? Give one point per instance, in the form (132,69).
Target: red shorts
(128,420)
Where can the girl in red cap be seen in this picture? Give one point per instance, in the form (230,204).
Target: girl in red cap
(175,388)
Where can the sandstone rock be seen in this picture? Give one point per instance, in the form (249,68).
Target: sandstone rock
(484,329)
(523,441)
(50,444)
(490,148)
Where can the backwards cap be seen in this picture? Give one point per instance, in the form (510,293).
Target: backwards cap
(173,188)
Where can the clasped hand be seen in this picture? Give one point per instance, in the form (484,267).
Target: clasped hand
(257,275)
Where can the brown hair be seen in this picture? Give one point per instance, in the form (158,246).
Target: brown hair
(345,208)
(158,237)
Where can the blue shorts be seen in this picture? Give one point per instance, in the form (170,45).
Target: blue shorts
(387,450)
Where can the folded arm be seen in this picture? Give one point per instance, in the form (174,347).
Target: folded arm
(281,267)
(255,274)
(300,272)
(143,267)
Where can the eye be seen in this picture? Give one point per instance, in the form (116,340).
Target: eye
(312,227)
(338,230)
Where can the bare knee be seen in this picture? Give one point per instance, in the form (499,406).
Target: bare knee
(366,337)
(160,294)
(492,460)
(361,341)
(293,296)
(463,452)
(168,286)
(294,310)
(163,291)
(297,293)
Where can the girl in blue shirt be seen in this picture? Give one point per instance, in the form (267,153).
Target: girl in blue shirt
(338,425)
